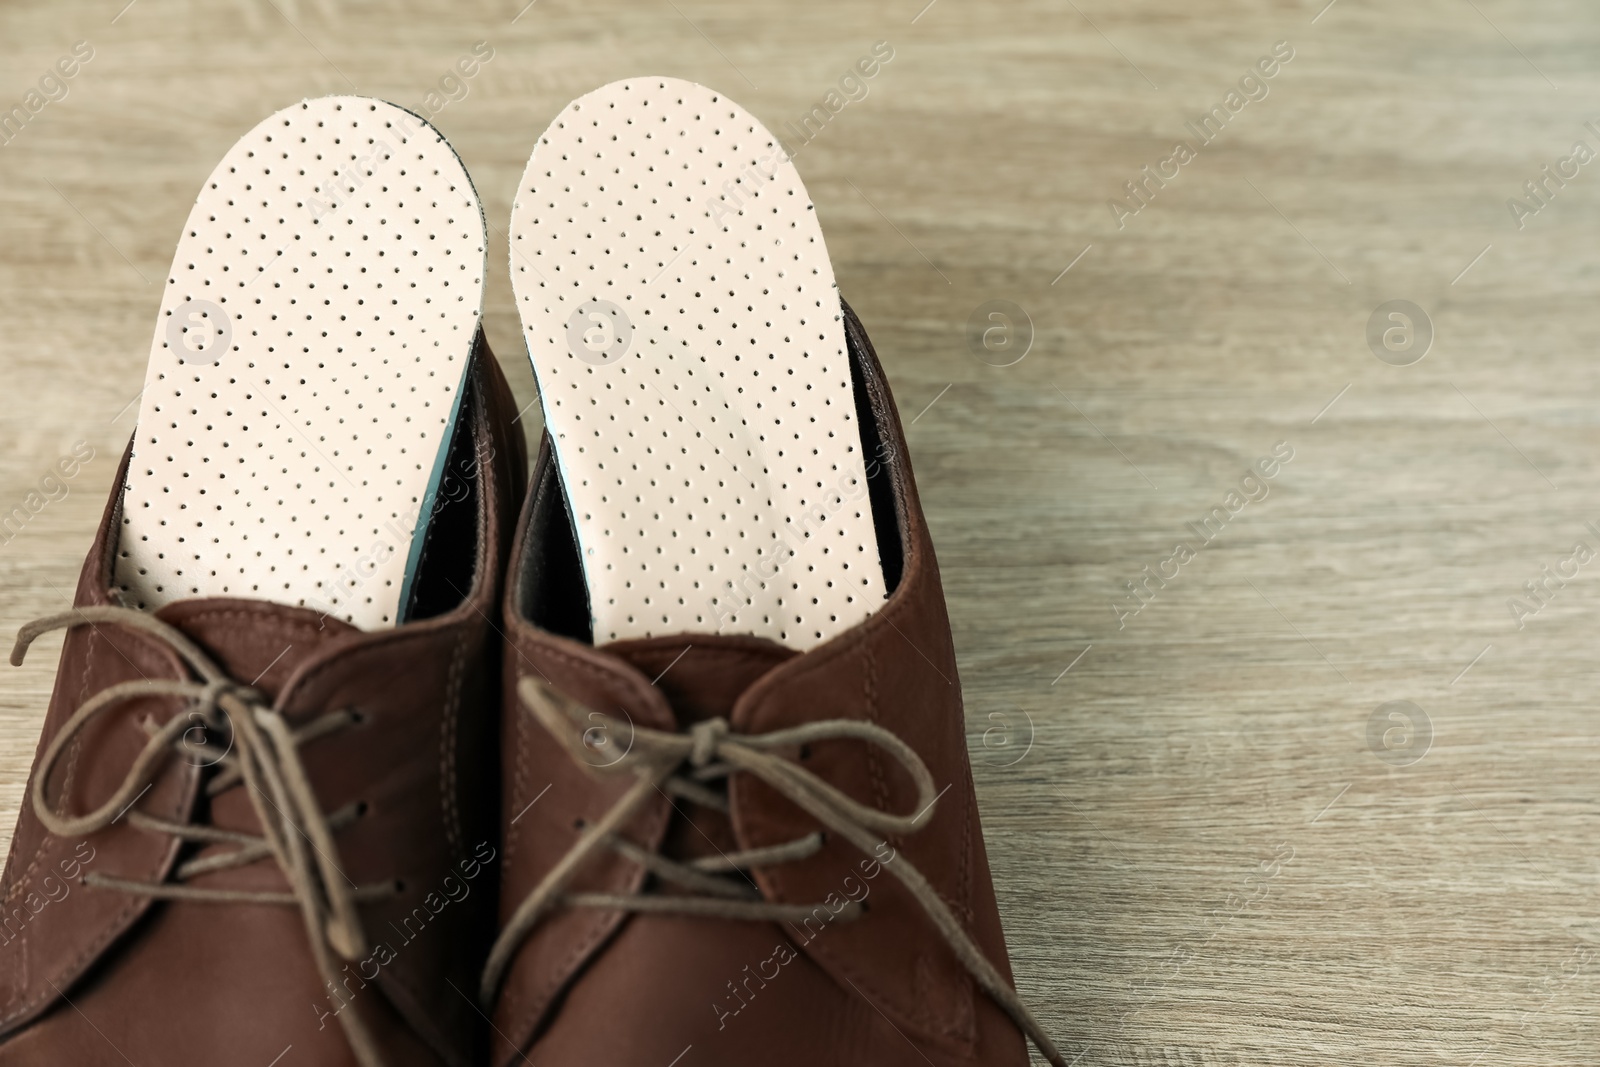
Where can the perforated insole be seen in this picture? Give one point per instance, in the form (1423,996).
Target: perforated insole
(684,325)
(306,370)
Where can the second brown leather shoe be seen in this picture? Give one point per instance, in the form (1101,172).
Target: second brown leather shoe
(740,821)
(720,850)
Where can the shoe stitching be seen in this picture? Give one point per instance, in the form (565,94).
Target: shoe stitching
(340,662)
(268,756)
(754,752)
(880,791)
(265,622)
(519,783)
(764,828)
(911,1013)
(880,785)
(25,880)
(542,994)
(447,749)
(116,927)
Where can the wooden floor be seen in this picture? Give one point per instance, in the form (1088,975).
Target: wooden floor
(1214,840)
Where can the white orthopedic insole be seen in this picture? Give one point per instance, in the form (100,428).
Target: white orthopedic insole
(684,325)
(306,371)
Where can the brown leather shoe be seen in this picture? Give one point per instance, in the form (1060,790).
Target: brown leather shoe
(362,756)
(721,844)
(254,831)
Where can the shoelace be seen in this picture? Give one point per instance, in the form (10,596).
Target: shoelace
(712,751)
(264,755)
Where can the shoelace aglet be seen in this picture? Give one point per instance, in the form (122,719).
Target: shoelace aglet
(346,942)
(25,637)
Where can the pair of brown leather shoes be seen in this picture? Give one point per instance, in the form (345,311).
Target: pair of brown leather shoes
(483,820)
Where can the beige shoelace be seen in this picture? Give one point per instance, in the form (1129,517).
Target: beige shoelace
(711,751)
(264,755)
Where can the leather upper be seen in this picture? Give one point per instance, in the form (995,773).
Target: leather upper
(92,975)
(594,986)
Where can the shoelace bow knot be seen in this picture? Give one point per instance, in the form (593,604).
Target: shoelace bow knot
(711,749)
(263,753)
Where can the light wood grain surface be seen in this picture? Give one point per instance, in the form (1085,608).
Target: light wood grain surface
(1201,857)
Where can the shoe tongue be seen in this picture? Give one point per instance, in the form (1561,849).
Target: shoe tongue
(255,642)
(702,675)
